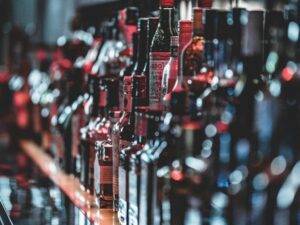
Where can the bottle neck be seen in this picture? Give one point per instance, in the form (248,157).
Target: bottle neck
(142,53)
(166,19)
(197,24)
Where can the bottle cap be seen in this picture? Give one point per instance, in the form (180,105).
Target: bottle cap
(132,15)
(143,24)
(185,26)
(167,3)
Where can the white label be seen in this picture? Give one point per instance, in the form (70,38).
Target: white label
(158,61)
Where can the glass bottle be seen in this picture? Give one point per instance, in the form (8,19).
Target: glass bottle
(134,164)
(146,211)
(131,39)
(185,35)
(126,138)
(122,132)
(151,28)
(192,53)
(160,50)
(103,166)
(108,102)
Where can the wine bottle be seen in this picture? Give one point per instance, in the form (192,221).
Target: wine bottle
(160,50)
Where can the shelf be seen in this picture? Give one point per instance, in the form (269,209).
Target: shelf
(69,185)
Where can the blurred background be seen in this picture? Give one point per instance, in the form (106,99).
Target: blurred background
(32,33)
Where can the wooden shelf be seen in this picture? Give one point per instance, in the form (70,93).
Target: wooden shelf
(69,185)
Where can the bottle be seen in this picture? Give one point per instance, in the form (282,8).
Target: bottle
(151,28)
(192,53)
(185,35)
(142,47)
(160,50)
(134,164)
(81,111)
(131,38)
(146,212)
(108,103)
(84,137)
(126,138)
(103,164)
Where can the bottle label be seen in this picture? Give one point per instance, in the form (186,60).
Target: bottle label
(106,174)
(102,98)
(158,61)
(127,93)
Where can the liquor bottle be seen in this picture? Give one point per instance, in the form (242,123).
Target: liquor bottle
(134,164)
(126,138)
(192,53)
(142,47)
(189,178)
(131,39)
(185,35)
(103,171)
(160,50)
(146,211)
(84,131)
(135,95)
(80,108)
(151,28)
(108,102)
(126,77)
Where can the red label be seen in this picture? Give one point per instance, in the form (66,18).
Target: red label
(158,61)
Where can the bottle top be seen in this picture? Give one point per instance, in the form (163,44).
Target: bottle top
(185,26)
(143,24)
(174,41)
(132,15)
(167,3)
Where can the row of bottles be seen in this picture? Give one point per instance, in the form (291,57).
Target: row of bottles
(183,122)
